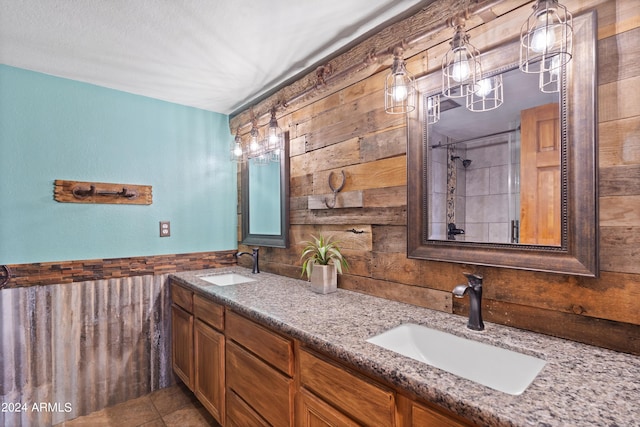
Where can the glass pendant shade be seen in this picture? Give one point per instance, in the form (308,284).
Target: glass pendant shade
(399,87)
(487,94)
(433,109)
(460,66)
(546,38)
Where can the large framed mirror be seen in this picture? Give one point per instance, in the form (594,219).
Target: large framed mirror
(515,186)
(265,200)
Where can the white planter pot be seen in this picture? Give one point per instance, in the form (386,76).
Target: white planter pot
(324,279)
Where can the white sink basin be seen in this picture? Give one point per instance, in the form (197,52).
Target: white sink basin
(226,279)
(495,367)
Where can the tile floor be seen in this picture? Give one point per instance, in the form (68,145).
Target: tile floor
(169,407)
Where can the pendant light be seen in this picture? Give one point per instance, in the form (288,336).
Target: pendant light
(546,38)
(274,139)
(399,87)
(461,68)
(255,145)
(236,152)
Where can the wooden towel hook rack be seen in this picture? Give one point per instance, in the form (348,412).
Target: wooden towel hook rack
(98,192)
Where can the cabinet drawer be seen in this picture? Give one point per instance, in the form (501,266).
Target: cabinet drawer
(313,411)
(274,349)
(239,414)
(209,312)
(359,398)
(422,415)
(182,297)
(267,391)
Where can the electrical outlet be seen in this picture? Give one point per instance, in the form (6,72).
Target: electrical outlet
(165,228)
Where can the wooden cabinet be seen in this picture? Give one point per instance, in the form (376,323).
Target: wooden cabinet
(198,349)
(247,375)
(350,395)
(259,368)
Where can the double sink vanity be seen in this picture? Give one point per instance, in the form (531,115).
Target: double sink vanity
(262,349)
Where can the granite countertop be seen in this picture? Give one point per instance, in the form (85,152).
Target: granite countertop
(580,385)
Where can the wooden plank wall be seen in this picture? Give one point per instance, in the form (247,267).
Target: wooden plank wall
(348,130)
(83,346)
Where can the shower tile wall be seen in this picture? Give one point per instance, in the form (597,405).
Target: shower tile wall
(487,193)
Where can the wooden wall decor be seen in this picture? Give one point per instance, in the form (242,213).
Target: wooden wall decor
(99,192)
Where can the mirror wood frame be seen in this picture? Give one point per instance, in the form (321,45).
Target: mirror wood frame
(271,240)
(578,252)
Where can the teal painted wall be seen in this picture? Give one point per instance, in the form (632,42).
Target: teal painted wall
(53,128)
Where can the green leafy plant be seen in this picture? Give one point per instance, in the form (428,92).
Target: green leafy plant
(322,251)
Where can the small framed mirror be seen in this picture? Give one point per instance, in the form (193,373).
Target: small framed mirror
(265,200)
(515,186)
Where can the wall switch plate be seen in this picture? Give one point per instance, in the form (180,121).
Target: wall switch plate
(165,228)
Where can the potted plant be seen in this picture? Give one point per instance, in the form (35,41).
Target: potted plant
(322,262)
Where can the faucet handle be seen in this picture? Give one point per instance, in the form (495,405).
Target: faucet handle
(475,279)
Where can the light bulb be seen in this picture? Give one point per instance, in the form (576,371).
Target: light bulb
(237,150)
(460,69)
(543,37)
(484,87)
(399,90)
(273,136)
(255,145)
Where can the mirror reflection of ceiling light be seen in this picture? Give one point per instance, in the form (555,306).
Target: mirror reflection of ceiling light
(433,109)
(486,95)
(550,79)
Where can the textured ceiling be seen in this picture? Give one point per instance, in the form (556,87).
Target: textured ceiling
(217,55)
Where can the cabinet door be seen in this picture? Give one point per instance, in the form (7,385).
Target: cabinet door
(209,369)
(313,412)
(182,344)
